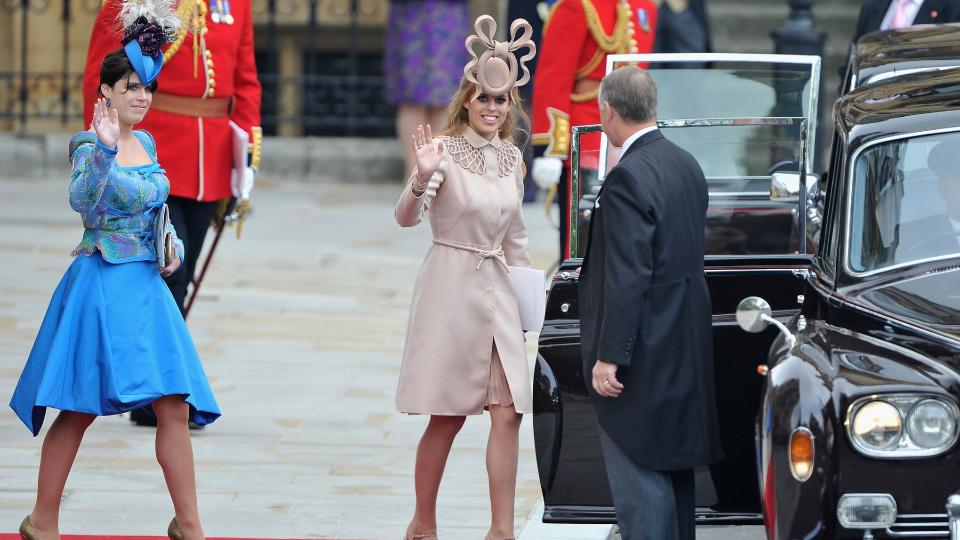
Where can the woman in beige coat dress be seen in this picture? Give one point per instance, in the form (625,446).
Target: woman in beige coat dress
(465,349)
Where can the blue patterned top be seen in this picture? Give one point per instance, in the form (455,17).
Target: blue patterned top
(118,205)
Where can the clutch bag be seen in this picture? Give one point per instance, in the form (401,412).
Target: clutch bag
(163,239)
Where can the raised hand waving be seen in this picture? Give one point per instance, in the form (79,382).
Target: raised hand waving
(428,153)
(106,122)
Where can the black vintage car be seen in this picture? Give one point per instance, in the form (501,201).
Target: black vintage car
(839,414)
(893,53)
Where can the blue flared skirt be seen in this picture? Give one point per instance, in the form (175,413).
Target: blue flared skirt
(112,340)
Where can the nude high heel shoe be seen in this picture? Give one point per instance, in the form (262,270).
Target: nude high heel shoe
(488,537)
(27,530)
(419,536)
(173,531)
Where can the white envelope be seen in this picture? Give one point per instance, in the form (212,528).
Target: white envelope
(531,290)
(240,181)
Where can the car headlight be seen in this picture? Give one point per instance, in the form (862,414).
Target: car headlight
(877,425)
(931,424)
(902,425)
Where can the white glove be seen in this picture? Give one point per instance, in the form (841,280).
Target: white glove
(546,171)
(242,187)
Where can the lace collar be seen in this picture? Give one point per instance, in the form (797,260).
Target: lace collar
(467,150)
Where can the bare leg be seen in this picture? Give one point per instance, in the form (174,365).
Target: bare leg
(56,459)
(503,450)
(432,455)
(175,455)
(409,116)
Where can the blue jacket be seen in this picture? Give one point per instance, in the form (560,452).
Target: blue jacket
(118,205)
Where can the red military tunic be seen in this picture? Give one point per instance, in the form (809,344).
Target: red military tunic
(577,37)
(194,145)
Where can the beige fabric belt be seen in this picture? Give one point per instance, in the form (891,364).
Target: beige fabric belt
(496,254)
(191,106)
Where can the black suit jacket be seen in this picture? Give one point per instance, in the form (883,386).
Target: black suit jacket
(931,12)
(645,306)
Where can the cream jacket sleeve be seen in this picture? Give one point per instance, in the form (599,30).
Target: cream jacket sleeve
(410,208)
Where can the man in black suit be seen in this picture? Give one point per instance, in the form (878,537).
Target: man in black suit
(885,14)
(646,320)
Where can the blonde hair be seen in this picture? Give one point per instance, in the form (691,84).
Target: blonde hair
(458,118)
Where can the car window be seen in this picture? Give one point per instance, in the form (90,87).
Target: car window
(743,117)
(730,88)
(905,202)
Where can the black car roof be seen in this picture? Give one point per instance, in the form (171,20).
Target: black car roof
(915,47)
(871,105)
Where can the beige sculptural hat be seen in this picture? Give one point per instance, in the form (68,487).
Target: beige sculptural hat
(495,70)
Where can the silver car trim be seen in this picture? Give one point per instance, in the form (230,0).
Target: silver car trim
(812,61)
(894,73)
(894,454)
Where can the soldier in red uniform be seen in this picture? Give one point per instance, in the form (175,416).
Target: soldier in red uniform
(209,81)
(577,37)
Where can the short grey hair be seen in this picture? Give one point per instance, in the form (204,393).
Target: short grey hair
(631,92)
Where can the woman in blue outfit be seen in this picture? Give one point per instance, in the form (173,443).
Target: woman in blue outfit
(113,338)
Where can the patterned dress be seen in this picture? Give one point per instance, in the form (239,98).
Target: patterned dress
(113,339)
(424,56)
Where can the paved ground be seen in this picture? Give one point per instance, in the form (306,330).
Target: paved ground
(300,325)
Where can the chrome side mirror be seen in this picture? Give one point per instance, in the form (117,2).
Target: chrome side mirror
(754,315)
(785,186)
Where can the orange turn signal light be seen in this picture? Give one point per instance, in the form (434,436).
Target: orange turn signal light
(801,454)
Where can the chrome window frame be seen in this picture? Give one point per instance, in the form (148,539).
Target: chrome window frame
(848,206)
(805,134)
(574,198)
(814,62)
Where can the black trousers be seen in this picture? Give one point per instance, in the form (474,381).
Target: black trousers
(191,219)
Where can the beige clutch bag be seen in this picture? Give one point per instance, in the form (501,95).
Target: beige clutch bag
(163,240)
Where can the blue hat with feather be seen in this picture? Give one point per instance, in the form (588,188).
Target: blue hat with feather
(148,25)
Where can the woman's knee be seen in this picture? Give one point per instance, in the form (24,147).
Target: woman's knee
(171,409)
(76,420)
(448,425)
(505,417)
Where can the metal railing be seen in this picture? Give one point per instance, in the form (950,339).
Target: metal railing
(336,91)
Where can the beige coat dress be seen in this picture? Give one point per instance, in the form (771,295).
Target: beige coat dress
(464,323)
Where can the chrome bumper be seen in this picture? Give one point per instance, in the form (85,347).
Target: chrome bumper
(953,514)
(929,525)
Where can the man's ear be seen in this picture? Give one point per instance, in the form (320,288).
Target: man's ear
(612,113)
